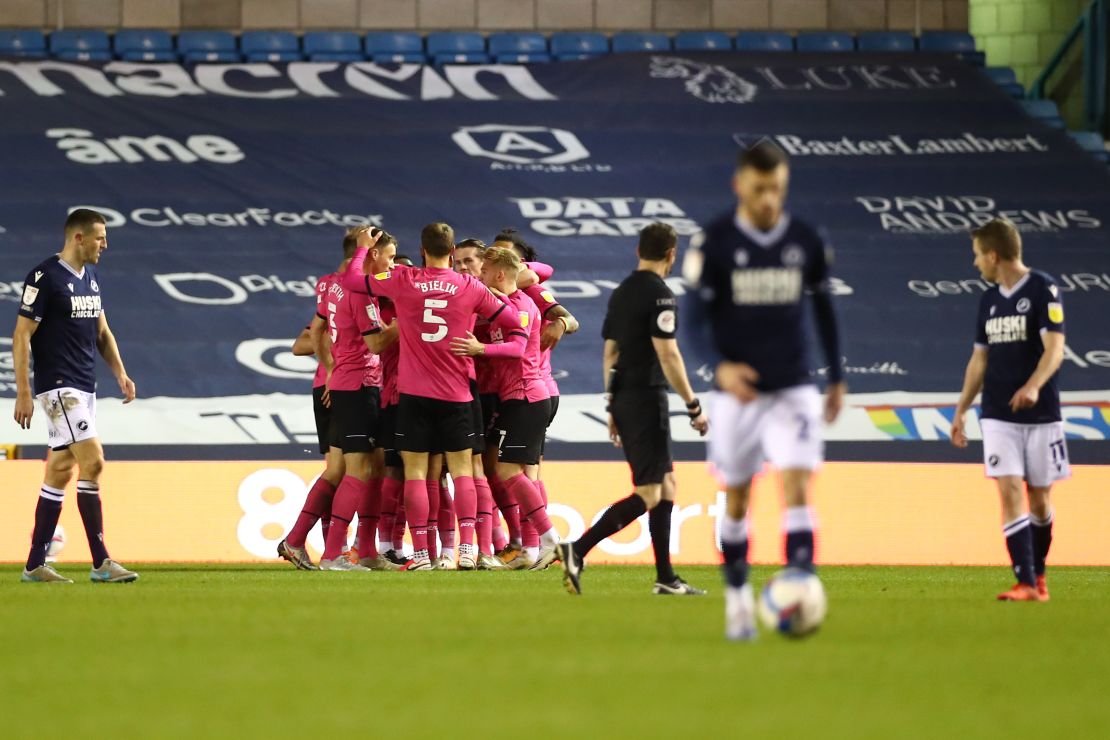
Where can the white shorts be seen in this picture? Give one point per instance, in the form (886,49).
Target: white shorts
(1035,452)
(781,426)
(70,416)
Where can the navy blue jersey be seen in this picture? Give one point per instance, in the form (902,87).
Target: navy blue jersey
(67,307)
(1009,326)
(746,299)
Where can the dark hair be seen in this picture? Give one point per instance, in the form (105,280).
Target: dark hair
(402,259)
(472,244)
(999,236)
(437,239)
(656,240)
(82,220)
(525,251)
(762,156)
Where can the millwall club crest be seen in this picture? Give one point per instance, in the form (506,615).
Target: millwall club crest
(709,82)
(1023,305)
(94,286)
(793,256)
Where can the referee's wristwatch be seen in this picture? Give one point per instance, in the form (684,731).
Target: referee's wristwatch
(693,409)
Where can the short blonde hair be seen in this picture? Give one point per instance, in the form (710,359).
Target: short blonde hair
(505,259)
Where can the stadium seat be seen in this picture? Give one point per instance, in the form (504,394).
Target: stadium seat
(270,46)
(207,46)
(952,42)
(825,41)
(1092,143)
(886,41)
(394,47)
(84,45)
(144,45)
(1044,111)
(22,44)
(518,48)
(568,46)
(764,41)
(457,48)
(702,41)
(946,41)
(333,46)
(1005,78)
(623,42)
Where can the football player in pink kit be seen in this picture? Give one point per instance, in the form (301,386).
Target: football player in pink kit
(523,407)
(434,304)
(354,389)
(557,321)
(317,506)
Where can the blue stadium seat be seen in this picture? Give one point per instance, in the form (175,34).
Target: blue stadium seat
(825,41)
(702,41)
(518,48)
(144,45)
(952,42)
(270,46)
(83,45)
(1092,143)
(764,41)
(567,46)
(1005,78)
(332,46)
(886,41)
(22,44)
(207,46)
(1044,111)
(623,42)
(457,48)
(394,47)
(946,41)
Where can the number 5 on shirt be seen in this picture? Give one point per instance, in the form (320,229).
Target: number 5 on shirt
(438,321)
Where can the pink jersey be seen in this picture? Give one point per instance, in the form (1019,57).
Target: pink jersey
(483,366)
(321,377)
(351,315)
(521,378)
(390,357)
(544,301)
(434,305)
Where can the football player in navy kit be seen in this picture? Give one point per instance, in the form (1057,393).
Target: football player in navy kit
(748,280)
(62,325)
(1019,345)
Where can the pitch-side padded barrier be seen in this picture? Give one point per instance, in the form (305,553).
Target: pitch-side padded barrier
(906,514)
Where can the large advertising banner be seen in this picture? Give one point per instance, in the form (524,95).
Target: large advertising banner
(908,514)
(227,188)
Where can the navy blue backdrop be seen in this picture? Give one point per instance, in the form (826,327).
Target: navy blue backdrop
(228,186)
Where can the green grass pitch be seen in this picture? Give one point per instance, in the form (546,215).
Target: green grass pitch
(269,652)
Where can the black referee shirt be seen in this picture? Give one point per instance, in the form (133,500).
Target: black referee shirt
(640,308)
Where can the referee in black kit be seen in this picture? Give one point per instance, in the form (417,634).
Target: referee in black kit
(641,358)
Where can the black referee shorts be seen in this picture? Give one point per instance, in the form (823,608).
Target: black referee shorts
(354,419)
(644,424)
(432,425)
(519,430)
(387,436)
(323,419)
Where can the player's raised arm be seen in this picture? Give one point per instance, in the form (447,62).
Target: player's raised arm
(355,278)
(109,350)
(21,356)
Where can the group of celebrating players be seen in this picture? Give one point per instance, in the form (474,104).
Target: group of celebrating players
(445,369)
(425,371)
